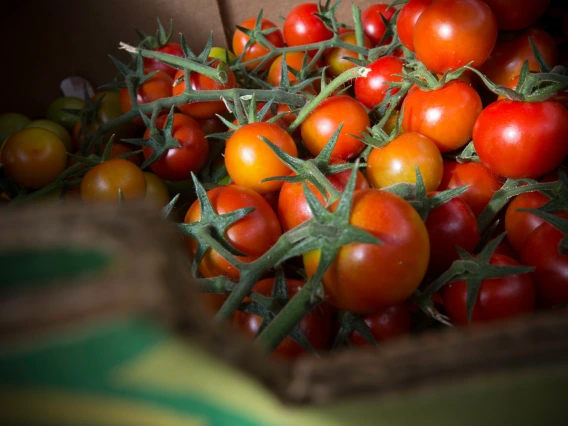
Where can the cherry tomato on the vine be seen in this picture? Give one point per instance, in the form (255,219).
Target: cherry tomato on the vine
(366,277)
(249,159)
(518,139)
(406,20)
(252,235)
(205,109)
(452,33)
(371,90)
(178,163)
(498,298)
(336,58)
(255,50)
(384,324)
(302,26)
(373,25)
(324,120)
(170,48)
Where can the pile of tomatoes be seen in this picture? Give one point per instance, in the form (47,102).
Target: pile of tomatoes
(386,162)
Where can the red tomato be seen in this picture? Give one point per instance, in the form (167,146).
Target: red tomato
(370,90)
(302,26)
(511,140)
(519,225)
(498,298)
(449,225)
(102,182)
(406,20)
(249,159)
(364,278)
(158,87)
(206,109)
(293,209)
(452,33)
(336,58)
(482,184)
(514,14)
(551,273)
(178,163)
(316,325)
(33,157)
(385,324)
(397,162)
(255,50)
(373,26)
(170,48)
(446,115)
(507,57)
(320,125)
(252,235)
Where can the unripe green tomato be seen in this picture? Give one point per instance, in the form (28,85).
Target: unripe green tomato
(10,123)
(55,111)
(222,54)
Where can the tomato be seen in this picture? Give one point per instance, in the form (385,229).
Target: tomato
(446,115)
(10,123)
(157,87)
(324,120)
(205,109)
(371,90)
(397,161)
(249,159)
(108,110)
(252,235)
(294,61)
(316,325)
(384,324)
(336,57)
(102,182)
(507,57)
(293,209)
(60,131)
(449,225)
(551,274)
(224,55)
(521,139)
(255,50)
(302,26)
(56,111)
(33,157)
(498,298)
(178,163)
(482,184)
(406,20)
(519,225)
(170,48)
(514,14)
(366,277)
(157,193)
(452,33)
(373,26)
(212,125)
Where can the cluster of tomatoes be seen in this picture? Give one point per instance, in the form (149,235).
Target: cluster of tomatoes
(432,166)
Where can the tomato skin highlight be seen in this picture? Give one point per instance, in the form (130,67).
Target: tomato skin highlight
(452,33)
(252,235)
(249,159)
(316,325)
(33,157)
(446,115)
(512,140)
(498,298)
(366,277)
(320,125)
(178,163)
